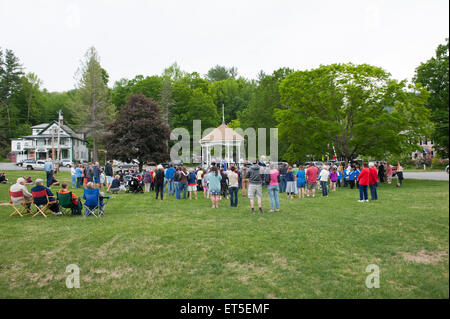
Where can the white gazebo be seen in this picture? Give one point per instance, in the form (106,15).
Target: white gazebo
(224,136)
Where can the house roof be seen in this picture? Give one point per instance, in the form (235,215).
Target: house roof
(43,125)
(222,133)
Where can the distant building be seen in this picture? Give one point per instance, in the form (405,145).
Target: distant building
(38,145)
(428,150)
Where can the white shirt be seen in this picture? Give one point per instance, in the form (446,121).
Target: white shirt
(324,175)
(72,171)
(17,188)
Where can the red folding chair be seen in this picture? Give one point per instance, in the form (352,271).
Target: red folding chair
(42,208)
(24,204)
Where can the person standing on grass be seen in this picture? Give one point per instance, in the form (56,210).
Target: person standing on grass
(79,176)
(159,181)
(96,169)
(352,177)
(213,179)
(148,178)
(233,180)
(290,183)
(182,184)
(205,185)
(273,188)
(283,171)
(48,168)
(102,179)
(373,181)
(89,175)
(311,177)
(389,172)
(192,184)
(301,182)
(363,182)
(357,171)
(199,175)
(223,184)
(109,173)
(73,173)
(245,181)
(333,178)
(323,176)
(176,182)
(399,174)
(381,172)
(255,187)
(170,172)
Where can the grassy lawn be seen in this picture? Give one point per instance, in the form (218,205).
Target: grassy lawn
(313,248)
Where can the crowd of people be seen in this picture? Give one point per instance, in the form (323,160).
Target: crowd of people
(224,182)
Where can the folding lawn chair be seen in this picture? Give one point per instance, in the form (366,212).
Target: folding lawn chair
(65,203)
(24,204)
(93,204)
(42,201)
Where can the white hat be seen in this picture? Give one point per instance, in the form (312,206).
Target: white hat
(20,180)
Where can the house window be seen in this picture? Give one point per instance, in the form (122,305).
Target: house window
(18,146)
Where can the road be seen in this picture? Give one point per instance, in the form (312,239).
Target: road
(436,176)
(12,167)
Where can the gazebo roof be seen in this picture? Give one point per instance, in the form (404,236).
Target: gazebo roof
(222,133)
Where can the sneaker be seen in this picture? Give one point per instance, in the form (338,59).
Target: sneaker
(366,200)
(58,214)
(271,211)
(260,210)
(277,210)
(253,210)
(360,201)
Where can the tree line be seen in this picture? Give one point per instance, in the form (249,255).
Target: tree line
(340,109)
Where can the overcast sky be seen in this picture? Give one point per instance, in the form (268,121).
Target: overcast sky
(144,37)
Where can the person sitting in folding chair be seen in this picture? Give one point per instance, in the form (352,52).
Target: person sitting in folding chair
(68,201)
(19,195)
(43,199)
(94,201)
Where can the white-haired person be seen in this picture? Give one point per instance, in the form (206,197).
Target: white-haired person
(21,187)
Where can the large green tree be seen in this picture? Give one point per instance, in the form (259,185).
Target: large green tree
(139,132)
(357,109)
(433,74)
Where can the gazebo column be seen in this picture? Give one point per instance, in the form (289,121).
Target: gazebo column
(239,153)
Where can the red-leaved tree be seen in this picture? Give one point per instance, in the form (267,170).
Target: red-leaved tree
(139,132)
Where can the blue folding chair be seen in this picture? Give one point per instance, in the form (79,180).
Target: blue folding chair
(94,204)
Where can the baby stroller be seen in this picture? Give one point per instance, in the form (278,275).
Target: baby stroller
(135,186)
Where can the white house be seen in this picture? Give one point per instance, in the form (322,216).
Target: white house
(38,145)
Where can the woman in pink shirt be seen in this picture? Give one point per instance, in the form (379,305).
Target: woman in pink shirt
(389,173)
(273,189)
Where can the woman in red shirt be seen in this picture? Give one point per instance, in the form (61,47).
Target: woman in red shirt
(363,181)
(373,181)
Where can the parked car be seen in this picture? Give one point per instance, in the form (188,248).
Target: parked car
(174,163)
(446,169)
(21,163)
(65,163)
(134,163)
(38,165)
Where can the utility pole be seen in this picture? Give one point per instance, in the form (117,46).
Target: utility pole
(53,145)
(59,129)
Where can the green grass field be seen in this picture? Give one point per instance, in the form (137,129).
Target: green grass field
(313,248)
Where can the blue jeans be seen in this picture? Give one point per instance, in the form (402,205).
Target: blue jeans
(181,186)
(373,192)
(74,180)
(282,183)
(324,188)
(363,192)
(171,187)
(79,182)
(233,196)
(273,194)
(49,178)
(176,186)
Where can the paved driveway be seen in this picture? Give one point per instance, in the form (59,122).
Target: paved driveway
(437,176)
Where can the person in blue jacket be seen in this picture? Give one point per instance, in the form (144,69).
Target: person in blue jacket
(352,177)
(170,174)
